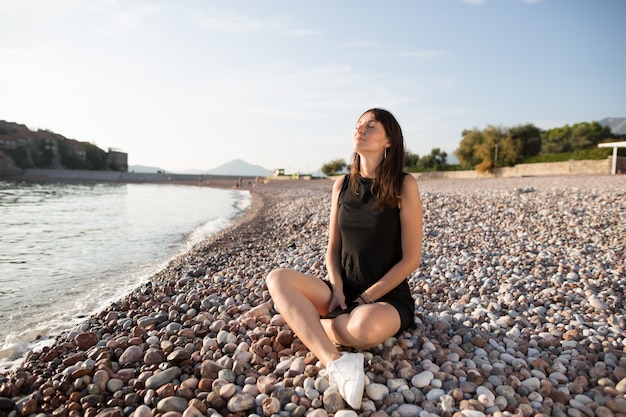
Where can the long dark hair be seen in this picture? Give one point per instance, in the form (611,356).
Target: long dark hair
(387,183)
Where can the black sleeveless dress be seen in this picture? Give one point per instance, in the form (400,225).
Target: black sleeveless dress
(370,246)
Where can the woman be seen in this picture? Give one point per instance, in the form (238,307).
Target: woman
(375,242)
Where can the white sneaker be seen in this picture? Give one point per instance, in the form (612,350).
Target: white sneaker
(347,375)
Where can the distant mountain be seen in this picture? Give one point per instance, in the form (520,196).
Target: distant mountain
(236,167)
(241,168)
(318,174)
(617,124)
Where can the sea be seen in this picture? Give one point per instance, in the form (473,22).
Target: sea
(69,250)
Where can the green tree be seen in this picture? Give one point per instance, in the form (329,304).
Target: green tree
(573,138)
(588,135)
(528,137)
(509,151)
(69,159)
(95,157)
(494,148)
(435,161)
(42,154)
(580,137)
(334,167)
(410,159)
(21,158)
(487,149)
(556,140)
(466,152)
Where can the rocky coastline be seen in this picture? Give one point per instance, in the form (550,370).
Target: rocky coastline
(519,312)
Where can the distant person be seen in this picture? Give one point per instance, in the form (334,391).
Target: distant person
(375,243)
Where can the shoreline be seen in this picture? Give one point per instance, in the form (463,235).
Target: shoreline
(207,317)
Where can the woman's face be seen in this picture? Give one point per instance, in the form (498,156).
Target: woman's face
(369,135)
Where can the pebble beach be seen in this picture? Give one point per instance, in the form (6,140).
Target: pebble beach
(520,311)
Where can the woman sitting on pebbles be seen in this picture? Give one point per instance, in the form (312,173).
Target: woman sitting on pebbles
(375,243)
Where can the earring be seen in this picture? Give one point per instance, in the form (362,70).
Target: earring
(385,154)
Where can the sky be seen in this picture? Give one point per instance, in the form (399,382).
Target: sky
(194,84)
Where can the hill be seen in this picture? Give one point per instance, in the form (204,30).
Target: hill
(239,167)
(234,168)
(26,148)
(617,124)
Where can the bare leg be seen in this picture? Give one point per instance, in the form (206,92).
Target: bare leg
(301,299)
(366,326)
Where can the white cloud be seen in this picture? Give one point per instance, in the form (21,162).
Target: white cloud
(119,21)
(237,23)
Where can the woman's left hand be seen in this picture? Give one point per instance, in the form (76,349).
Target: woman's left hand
(337,301)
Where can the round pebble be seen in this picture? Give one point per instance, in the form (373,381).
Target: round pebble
(518,310)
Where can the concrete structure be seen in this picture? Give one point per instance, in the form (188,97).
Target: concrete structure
(588,167)
(70,175)
(615,146)
(118,159)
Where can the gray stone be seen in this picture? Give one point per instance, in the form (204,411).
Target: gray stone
(163,377)
(178,404)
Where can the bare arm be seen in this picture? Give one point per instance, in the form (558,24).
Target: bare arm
(411,231)
(333,251)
